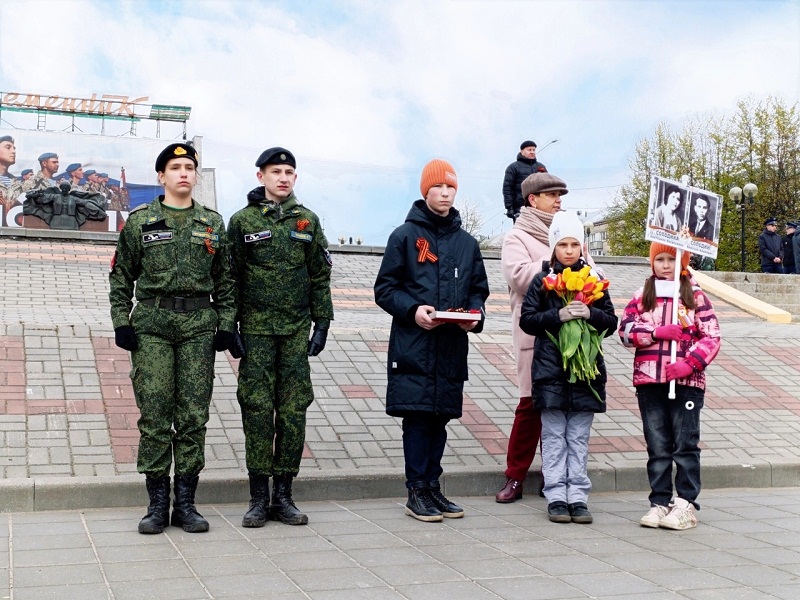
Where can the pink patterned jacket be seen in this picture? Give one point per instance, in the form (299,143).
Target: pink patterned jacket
(699,345)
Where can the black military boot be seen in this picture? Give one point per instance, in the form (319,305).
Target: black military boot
(449,509)
(157,517)
(282,507)
(184,514)
(259,502)
(420,505)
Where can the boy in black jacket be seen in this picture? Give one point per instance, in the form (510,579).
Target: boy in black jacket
(430,264)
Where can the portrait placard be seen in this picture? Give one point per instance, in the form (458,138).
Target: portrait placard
(684,217)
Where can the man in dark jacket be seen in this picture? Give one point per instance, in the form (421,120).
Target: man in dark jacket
(787,243)
(526,164)
(770,248)
(430,265)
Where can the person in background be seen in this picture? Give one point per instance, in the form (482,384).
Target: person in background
(172,256)
(525,165)
(787,246)
(430,264)
(770,247)
(671,425)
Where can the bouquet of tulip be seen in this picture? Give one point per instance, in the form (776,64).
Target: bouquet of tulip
(578,342)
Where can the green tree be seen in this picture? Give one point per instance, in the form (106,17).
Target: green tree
(760,142)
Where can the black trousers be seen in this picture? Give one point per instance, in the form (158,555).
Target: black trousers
(424,440)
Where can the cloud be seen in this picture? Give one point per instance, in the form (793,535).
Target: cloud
(365,93)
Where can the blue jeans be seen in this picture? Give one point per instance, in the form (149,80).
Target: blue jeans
(565,451)
(424,439)
(672,433)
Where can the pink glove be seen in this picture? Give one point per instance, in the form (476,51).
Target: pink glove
(668,332)
(678,370)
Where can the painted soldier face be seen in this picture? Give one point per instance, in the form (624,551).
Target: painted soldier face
(278,181)
(549,202)
(440,198)
(701,208)
(179,177)
(8,153)
(50,166)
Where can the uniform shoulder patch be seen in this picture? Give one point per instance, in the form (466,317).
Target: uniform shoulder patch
(328,257)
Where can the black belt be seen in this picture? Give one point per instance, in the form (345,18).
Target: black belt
(178,304)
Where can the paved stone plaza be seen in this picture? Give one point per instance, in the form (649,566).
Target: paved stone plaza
(68,440)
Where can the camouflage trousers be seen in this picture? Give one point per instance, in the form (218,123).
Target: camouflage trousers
(274,393)
(173,377)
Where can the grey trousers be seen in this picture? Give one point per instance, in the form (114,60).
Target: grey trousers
(565,450)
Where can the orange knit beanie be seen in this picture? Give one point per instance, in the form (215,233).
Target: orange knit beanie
(657,248)
(435,172)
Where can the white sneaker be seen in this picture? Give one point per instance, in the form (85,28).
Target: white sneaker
(654,516)
(682,516)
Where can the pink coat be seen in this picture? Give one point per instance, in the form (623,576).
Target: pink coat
(699,345)
(521,260)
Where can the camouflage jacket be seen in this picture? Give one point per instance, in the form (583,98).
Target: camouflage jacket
(166,261)
(282,265)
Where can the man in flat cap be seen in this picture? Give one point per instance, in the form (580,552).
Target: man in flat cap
(770,247)
(787,245)
(525,165)
(283,271)
(45,178)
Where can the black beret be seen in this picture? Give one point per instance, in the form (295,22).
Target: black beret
(276,156)
(771,221)
(527,143)
(178,150)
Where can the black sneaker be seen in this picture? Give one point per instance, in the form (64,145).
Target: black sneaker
(558,512)
(580,513)
(449,509)
(420,506)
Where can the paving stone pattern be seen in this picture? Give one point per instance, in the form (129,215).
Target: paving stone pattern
(67,408)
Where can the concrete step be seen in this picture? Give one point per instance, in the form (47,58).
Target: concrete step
(732,277)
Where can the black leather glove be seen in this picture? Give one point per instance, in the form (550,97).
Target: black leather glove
(125,338)
(237,350)
(223,340)
(510,213)
(317,342)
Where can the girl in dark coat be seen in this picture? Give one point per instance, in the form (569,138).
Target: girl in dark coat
(567,408)
(430,264)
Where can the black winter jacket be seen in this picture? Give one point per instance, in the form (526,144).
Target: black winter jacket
(551,387)
(427,369)
(516,173)
(788,253)
(769,246)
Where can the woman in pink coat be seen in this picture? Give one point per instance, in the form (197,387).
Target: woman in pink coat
(524,249)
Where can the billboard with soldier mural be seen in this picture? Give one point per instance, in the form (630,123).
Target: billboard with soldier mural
(65,180)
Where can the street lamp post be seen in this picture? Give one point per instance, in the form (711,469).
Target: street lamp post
(735,194)
(539,150)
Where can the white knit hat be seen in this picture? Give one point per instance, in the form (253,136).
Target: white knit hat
(565,224)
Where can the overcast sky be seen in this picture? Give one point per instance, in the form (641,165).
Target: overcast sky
(365,93)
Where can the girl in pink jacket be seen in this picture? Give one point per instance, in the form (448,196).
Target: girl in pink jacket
(671,427)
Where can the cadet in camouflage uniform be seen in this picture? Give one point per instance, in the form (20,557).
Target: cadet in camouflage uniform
(174,251)
(283,272)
